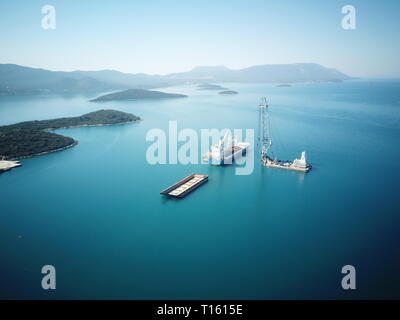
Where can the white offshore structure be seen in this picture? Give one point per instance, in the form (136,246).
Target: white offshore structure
(225,151)
(8,165)
(266,143)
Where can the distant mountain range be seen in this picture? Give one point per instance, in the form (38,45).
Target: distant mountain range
(17,80)
(275,73)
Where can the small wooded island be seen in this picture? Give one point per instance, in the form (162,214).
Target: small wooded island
(228,92)
(137,94)
(32,138)
(207,86)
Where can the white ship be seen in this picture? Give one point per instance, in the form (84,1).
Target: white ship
(226,151)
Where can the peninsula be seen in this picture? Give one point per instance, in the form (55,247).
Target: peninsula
(137,94)
(32,138)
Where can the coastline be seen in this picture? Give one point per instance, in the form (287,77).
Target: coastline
(95,125)
(75,143)
(46,152)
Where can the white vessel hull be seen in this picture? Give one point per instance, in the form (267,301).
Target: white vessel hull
(229,157)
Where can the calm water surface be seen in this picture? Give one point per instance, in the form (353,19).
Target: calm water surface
(95,212)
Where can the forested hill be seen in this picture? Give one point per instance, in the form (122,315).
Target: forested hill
(137,94)
(27,139)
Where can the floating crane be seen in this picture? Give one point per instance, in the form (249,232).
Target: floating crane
(267,157)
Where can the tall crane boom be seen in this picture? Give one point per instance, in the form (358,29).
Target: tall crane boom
(264,128)
(265,140)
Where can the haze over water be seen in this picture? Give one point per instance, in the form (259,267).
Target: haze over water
(95,212)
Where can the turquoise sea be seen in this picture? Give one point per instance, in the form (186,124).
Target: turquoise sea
(95,212)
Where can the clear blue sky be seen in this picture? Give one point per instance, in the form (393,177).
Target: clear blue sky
(175,35)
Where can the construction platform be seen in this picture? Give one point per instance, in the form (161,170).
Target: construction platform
(286,165)
(185,186)
(8,165)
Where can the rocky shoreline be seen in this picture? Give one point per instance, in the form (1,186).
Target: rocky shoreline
(95,125)
(46,152)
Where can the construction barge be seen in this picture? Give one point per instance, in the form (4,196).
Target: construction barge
(297,165)
(182,188)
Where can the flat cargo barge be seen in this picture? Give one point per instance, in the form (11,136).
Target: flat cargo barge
(185,186)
